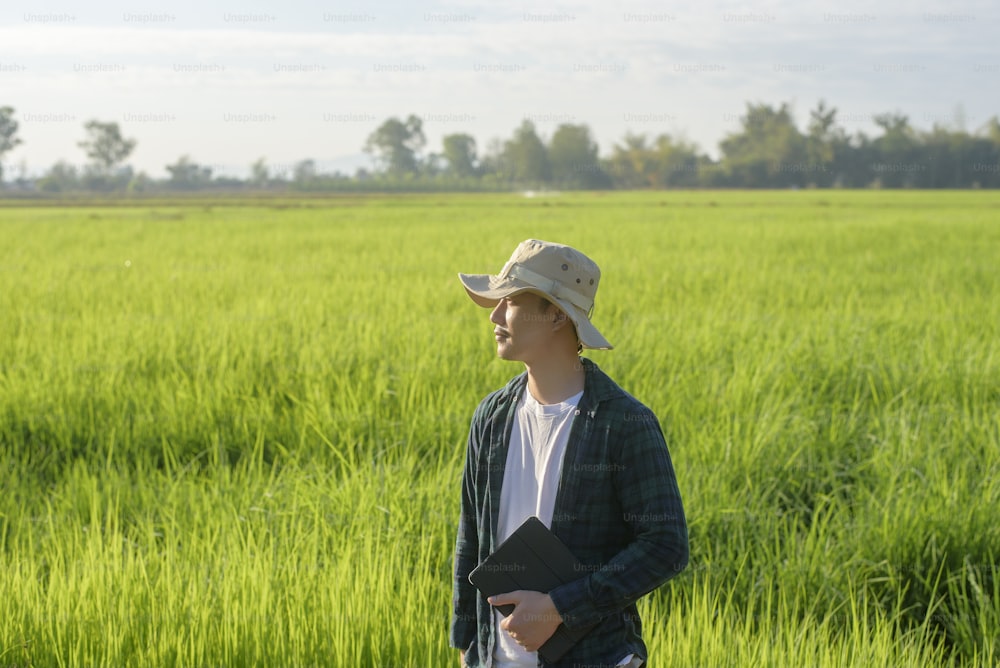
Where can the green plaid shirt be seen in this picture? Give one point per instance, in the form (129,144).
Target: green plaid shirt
(617,509)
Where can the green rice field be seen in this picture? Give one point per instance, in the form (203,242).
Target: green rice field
(232,432)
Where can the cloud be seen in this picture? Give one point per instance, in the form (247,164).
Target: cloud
(481,67)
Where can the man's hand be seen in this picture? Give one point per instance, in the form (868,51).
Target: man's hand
(461,658)
(534,619)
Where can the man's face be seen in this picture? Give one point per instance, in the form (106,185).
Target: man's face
(523,326)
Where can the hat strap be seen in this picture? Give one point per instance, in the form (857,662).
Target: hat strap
(551,286)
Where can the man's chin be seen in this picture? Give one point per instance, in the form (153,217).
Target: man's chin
(505,353)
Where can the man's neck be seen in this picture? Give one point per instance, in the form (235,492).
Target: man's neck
(555,379)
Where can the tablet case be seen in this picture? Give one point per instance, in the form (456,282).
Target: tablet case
(534,559)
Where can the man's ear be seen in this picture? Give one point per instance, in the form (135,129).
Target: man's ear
(560,320)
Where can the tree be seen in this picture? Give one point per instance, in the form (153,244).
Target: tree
(491,162)
(992,130)
(573,158)
(665,163)
(188,175)
(855,168)
(304,173)
(97,178)
(259,176)
(768,151)
(524,158)
(140,183)
(822,120)
(460,154)
(8,134)
(105,145)
(678,162)
(632,163)
(819,144)
(395,145)
(950,156)
(61,177)
(987,166)
(433,164)
(896,152)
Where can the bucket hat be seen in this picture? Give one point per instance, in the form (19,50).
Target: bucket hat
(561,274)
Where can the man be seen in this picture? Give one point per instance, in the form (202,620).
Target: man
(565,443)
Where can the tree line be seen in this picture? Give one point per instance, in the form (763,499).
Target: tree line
(768,150)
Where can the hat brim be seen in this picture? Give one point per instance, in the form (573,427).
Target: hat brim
(487,290)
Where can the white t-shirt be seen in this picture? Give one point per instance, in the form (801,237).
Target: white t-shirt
(538,441)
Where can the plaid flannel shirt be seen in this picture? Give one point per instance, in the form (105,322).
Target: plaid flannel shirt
(617,508)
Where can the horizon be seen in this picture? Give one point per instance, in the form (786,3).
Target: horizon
(237,83)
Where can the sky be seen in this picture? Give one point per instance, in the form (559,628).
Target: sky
(227,83)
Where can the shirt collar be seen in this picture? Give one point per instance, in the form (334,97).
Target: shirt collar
(596,385)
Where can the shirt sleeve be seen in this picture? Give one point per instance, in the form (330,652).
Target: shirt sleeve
(651,508)
(463,618)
